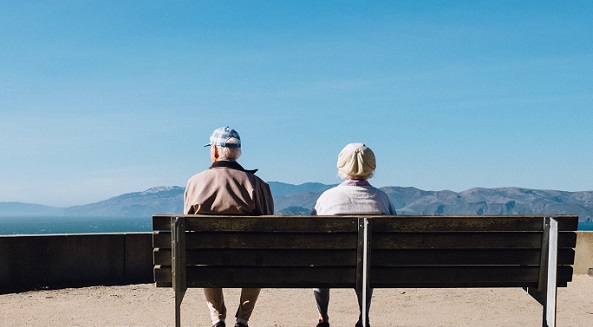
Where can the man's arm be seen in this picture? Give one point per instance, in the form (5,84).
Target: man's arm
(265,199)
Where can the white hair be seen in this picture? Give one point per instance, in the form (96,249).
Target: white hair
(228,153)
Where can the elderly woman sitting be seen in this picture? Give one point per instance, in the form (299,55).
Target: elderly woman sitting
(356,164)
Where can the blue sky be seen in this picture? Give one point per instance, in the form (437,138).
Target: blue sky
(100,98)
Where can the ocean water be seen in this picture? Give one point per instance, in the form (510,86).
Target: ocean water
(82,225)
(586,225)
(72,225)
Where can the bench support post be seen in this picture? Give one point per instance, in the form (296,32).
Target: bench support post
(546,292)
(552,271)
(178,264)
(363,262)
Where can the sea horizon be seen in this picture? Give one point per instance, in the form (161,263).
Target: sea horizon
(43,225)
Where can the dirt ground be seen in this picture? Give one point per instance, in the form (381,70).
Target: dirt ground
(147,305)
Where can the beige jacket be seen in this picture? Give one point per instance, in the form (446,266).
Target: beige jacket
(228,189)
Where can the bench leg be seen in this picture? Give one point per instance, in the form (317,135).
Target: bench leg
(362,280)
(178,300)
(546,293)
(178,264)
(549,319)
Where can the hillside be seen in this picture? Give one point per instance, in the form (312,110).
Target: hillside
(300,199)
(137,204)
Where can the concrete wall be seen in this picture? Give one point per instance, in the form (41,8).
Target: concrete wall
(583,260)
(38,261)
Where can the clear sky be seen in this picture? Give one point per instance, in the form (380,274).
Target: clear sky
(100,98)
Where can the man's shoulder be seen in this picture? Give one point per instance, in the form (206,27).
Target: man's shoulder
(232,173)
(201,174)
(206,175)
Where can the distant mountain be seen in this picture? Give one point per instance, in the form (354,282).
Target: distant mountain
(285,189)
(28,209)
(497,201)
(292,199)
(155,200)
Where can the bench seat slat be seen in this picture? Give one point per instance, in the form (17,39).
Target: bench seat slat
(560,284)
(264,277)
(481,276)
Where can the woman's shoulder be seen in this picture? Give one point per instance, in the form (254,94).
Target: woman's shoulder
(331,191)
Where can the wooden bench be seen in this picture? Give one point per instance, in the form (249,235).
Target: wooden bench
(532,252)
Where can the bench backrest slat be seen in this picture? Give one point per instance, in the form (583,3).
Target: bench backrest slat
(259,257)
(210,223)
(439,224)
(463,257)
